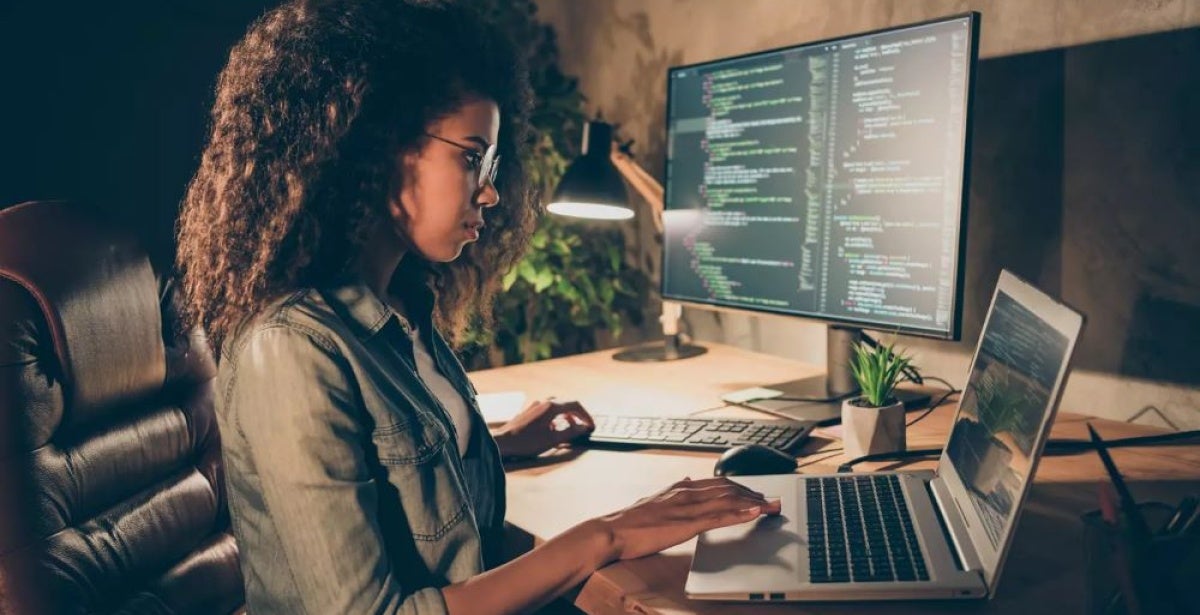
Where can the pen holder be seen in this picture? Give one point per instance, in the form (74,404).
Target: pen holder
(1162,576)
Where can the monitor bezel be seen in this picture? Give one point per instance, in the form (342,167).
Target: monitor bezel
(954,331)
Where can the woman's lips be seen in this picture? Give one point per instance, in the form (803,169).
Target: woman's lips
(473,229)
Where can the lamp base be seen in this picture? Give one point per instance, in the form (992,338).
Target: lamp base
(670,350)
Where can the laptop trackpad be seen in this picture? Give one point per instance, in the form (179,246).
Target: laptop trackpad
(766,555)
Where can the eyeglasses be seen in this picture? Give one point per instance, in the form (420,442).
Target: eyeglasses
(486,165)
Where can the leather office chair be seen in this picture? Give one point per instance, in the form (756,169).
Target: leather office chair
(110,481)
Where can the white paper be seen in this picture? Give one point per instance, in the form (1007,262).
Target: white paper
(499,408)
(744,395)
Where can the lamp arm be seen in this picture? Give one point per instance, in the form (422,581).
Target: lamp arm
(669,319)
(652,192)
(642,182)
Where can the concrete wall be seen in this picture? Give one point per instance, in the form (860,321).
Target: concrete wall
(1085,169)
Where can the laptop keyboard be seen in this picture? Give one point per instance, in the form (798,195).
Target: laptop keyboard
(860,530)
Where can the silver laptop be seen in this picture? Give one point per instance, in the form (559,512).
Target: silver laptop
(907,535)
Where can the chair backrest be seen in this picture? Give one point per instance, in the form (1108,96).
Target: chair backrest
(111,498)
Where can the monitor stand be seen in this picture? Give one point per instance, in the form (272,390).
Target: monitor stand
(826,392)
(672,348)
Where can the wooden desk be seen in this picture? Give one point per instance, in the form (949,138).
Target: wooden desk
(1044,569)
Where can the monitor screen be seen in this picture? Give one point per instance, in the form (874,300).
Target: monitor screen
(825,180)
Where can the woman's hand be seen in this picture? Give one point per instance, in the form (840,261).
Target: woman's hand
(541,426)
(680,512)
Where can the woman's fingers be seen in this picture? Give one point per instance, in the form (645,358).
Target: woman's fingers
(577,413)
(736,511)
(537,408)
(727,517)
(717,499)
(574,429)
(695,489)
(533,413)
(703,503)
(575,421)
(706,482)
(568,414)
(684,510)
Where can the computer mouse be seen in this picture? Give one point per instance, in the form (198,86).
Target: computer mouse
(752,460)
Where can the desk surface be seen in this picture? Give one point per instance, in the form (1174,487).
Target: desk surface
(545,497)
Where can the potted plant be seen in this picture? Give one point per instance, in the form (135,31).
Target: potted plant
(999,409)
(873,422)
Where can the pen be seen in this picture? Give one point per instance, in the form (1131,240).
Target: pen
(1183,512)
(1122,568)
(1136,521)
(1190,524)
(1108,505)
(1137,570)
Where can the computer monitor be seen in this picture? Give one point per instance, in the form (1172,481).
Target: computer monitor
(827,181)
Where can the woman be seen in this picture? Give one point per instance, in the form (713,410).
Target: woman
(359,193)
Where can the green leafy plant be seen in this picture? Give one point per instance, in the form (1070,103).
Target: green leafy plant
(574,281)
(567,286)
(1001,407)
(878,369)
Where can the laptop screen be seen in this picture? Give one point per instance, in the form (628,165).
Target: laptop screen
(1011,389)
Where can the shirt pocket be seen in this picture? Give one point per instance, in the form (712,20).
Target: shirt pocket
(414,457)
(415,440)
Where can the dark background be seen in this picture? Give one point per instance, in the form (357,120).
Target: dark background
(107,103)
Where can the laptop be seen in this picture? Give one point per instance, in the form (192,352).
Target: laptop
(913,535)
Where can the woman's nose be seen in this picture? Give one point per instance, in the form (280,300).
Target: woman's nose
(488,195)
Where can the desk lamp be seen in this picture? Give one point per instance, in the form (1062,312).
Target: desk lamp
(593,188)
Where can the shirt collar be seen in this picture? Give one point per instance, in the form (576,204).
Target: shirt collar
(369,313)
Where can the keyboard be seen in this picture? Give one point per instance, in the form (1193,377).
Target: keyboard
(710,434)
(860,531)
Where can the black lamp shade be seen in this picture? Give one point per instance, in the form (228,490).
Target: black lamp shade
(592,179)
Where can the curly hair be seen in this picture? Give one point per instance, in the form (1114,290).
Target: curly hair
(313,106)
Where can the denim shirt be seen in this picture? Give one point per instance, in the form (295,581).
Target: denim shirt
(346,489)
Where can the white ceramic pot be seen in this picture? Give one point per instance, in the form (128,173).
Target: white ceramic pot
(870,431)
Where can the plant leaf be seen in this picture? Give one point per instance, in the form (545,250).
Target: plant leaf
(509,278)
(526,271)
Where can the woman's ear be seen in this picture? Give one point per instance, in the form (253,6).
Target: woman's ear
(398,222)
(403,185)
(395,209)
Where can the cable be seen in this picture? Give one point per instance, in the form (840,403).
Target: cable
(836,451)
(702,411)
(933,406)
(815,400)
(749,403)
(1137,415)
(1053,448)
(892,456)
(942,382)
(1070,447)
